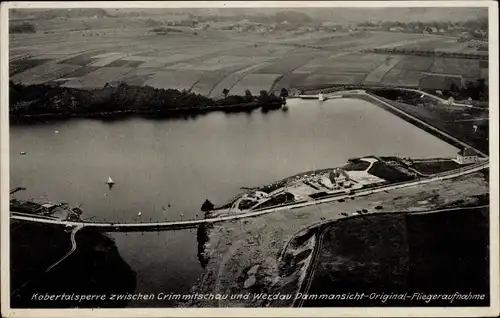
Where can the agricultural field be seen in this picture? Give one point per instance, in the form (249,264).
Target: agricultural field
(44,73)
(289,63)
(415,63)
(169,59)
(84,58)
(255,83)
(98,78)
(378,73)
(401,77)
(343,63)
(265,50)
(466,68)
(231,80)
(25,65)
(220,63)
(437,43)
(290,81)
(334,79)
(137,76)
(88,54)
(174,79)
(207,81)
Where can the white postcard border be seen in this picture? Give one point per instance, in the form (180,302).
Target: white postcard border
(493,310)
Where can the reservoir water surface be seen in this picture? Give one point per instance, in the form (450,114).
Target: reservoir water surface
(165,169)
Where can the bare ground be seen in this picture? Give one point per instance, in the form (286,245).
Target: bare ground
(234,248)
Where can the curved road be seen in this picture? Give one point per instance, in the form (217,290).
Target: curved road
(73,247)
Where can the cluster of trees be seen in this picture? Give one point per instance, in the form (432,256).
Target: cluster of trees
(46,99)
(263,98)
(477,90)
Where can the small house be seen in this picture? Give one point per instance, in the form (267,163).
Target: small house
(467,156)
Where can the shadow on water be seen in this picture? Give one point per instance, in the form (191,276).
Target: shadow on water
(94,268)
(119,118)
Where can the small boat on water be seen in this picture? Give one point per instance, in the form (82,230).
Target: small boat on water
(321,97)
(110,183)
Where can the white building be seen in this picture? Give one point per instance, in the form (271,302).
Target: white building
(467,156)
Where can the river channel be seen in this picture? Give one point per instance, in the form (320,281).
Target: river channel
(165,169)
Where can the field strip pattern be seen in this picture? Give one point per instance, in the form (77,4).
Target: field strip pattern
(43,73)
(218,63)
(173,79)
(182,61)
(108,59)
(407,43)
(255,83)
(231,80)
(98,78)
(378,73)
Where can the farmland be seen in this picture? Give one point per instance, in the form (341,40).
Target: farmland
(89,53)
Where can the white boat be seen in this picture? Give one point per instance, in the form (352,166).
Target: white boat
(321,97)
(110,181)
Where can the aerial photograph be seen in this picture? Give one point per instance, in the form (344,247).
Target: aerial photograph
(249,157)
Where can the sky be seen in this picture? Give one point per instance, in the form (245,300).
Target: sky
(335,15)
(342,15)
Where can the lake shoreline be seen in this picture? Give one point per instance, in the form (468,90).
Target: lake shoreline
(171,113)
(31,103)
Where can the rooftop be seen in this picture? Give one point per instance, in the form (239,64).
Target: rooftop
(467,152)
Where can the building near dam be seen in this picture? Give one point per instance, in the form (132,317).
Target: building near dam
(467,156)
(340,178)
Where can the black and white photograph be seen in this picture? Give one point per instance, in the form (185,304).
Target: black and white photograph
(284,156)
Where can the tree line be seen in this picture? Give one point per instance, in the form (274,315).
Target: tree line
(49,99)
